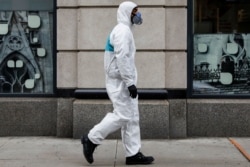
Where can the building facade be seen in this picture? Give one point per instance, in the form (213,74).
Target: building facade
(189,58)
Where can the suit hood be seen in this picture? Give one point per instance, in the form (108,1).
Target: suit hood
(124,12)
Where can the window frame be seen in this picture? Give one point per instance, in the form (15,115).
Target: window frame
(53,93)
(190,61)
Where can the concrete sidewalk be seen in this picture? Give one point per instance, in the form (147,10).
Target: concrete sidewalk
(58,152)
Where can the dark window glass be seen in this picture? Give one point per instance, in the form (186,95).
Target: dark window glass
(221,16)
(221,47)
(26,47)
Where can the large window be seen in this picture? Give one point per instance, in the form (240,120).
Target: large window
(26,47)
(221,47)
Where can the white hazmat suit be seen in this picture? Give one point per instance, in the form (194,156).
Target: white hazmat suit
(119,64)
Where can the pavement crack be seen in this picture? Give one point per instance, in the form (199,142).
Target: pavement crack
(5,143)
(116,150)
(57,153)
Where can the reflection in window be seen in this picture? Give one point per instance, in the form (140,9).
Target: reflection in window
(221,44)
(26,49)
(221,16)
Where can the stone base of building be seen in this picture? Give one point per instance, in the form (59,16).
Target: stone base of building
(159,119)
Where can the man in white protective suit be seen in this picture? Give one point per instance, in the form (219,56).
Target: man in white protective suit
(121,79)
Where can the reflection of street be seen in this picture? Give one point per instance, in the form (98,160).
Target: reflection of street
(221,60)
(219,89)
(221,63)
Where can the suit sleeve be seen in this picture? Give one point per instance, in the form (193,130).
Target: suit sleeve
(125,61)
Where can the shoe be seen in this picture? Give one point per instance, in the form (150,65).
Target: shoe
(88,149)
(139,158)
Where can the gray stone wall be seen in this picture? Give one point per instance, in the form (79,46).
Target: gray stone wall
(161,41)
(154,117)
(28,116)
(66,117)
(219,117)
(82,28)
(159,119)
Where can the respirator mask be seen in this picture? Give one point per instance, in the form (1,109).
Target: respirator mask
(136,18)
